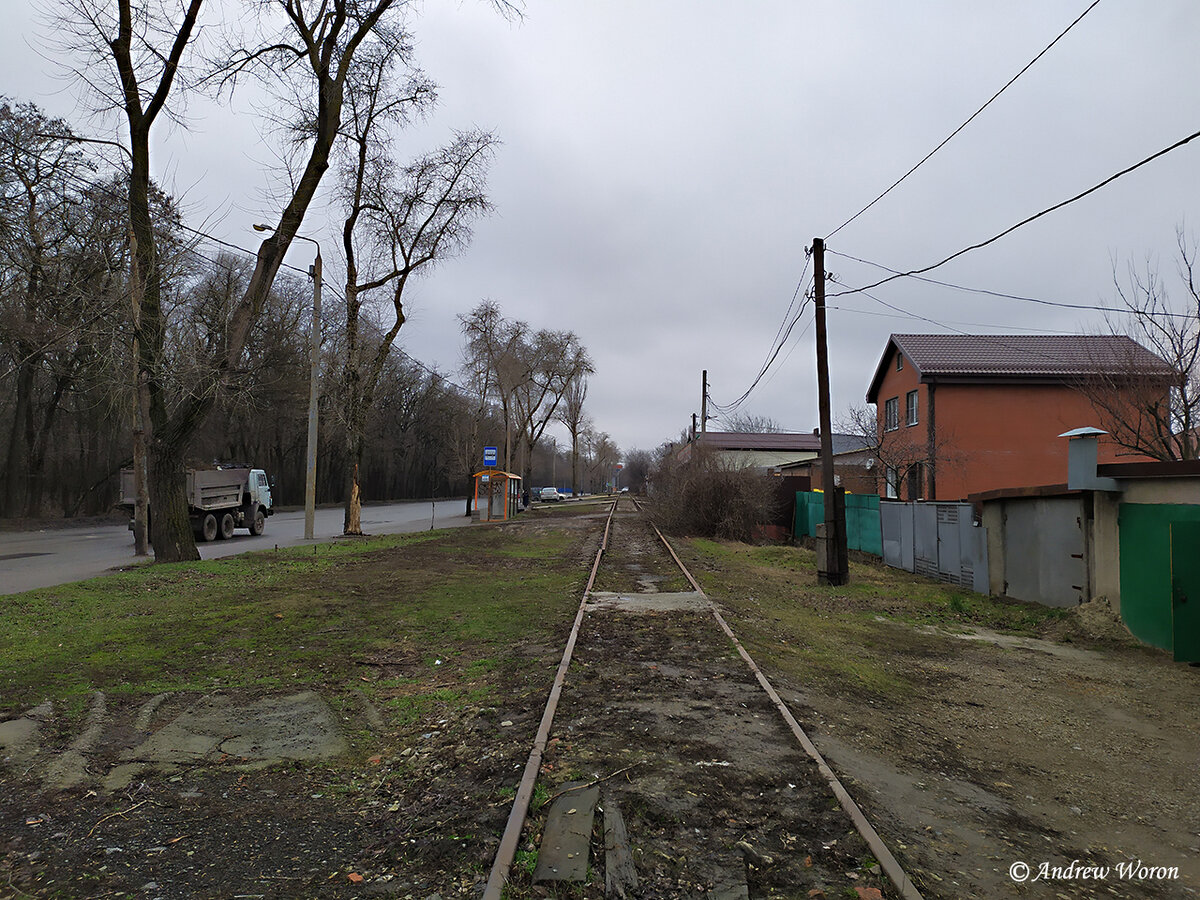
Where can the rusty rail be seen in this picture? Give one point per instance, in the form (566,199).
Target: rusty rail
(509,841)
(890,865)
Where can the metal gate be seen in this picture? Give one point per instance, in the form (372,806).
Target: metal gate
(938,540)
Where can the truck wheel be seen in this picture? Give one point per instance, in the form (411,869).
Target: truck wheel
(226,527)
(209,527)
(258,524)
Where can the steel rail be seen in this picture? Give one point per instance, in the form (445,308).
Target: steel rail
(890,865)
(505,853)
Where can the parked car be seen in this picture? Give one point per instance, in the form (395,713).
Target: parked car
(549,495)
(565,495)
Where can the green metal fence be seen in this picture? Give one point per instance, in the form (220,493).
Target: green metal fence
(863,531)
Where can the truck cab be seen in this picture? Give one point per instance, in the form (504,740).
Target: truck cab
(258,491)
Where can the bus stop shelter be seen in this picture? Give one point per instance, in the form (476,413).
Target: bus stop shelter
(497,496)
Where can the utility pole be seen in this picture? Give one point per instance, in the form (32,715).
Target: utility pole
(693,426)
(704,402)
(833,565)
(314,380)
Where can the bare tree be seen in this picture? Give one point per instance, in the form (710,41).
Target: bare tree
(136,54)
(1149,402)
(572,416)
(551,361)
(903,461)
(494,346)
(747,423)
(61,287)
(397,224)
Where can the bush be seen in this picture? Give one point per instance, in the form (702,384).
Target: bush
(707,497)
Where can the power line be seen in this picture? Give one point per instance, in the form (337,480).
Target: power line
(781,336)
(97,186)
(946,324)
(994,340)
(1000,294)
(912,272)
(947,140)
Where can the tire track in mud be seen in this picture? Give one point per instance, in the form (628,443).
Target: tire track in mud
(717,796)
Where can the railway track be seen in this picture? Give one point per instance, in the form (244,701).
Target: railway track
(667,761)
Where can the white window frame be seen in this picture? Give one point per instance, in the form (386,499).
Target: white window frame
(891,414)
(891,479)
(910,408)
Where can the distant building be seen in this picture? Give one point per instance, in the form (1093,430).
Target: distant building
(960,414)
(764,450)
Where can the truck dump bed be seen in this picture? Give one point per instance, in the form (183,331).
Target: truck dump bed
(207,489)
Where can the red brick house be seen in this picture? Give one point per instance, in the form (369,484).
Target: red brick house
(960,414)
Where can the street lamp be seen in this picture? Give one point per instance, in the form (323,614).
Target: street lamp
(310,471)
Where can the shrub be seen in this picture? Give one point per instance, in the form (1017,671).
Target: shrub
(708,497)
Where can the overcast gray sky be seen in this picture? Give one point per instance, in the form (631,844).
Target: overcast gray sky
(666,162)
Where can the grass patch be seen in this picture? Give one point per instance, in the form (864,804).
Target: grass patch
(305,617)
(847,637)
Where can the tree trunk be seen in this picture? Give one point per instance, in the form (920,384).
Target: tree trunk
(14,464)
(170,525)
(352,524)
(575,463)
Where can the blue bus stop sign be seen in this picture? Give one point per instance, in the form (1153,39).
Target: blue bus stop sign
(489,456)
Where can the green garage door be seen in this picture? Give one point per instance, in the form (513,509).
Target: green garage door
(1185,590)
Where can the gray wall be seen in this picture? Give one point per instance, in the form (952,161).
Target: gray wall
(938,540)
(1040,549)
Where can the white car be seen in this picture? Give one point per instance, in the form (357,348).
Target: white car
(549,495)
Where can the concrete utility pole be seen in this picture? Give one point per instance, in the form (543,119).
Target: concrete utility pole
(704,402)
(314,381)
(693,426)
(833,565)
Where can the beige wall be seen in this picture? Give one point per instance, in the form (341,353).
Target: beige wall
(763,458)
(1105,549)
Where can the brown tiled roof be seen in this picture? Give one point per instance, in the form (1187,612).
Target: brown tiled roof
(1040,356)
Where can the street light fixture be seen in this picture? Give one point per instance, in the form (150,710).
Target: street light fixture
(310,471)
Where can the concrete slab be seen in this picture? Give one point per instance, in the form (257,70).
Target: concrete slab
(567,837)
(299,726)
(648,603)
(19,738)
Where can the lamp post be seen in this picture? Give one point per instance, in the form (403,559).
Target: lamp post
(310,469)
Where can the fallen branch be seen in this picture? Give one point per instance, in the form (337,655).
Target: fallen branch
(114,815)
(592,783)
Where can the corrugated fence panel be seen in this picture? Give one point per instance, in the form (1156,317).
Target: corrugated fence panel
(863,531)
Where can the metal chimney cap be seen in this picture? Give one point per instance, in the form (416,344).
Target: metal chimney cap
(1086,431)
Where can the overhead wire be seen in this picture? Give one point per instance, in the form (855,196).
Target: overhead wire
(97,186)
(970,119)
(1027,220)
(994,340)
(782,333)
(999,294)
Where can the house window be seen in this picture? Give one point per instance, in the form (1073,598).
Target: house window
(899,361)
(891,414)
(892,481)
(916,482)
(910,408)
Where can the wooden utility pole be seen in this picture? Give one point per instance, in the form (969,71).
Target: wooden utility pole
(704,402)
(833,565)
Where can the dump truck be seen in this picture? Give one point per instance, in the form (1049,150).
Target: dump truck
(219,499)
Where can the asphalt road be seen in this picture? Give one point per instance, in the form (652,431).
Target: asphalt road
(35,559)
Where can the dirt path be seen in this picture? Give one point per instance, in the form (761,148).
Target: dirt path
(1034,753)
